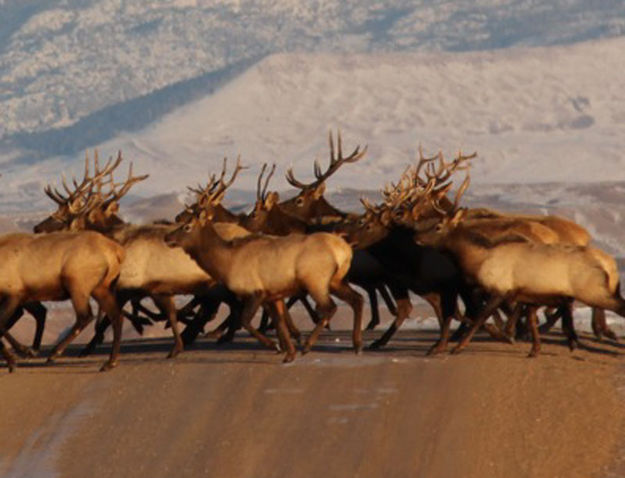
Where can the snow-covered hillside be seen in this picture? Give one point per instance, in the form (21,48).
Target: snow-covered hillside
(534,115)
(62,60)
(176,84)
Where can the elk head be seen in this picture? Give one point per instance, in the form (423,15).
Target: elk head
(265,202)
(221,213)
(87,206)
(309,205)
(204,210)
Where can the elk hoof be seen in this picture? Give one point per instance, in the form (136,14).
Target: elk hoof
(26,352)
(372,325)
(358,349)
(224,339)
(289,357)
(436,349)
(51,359)
(375,345)
(108,365)
(573,344)
(533,353)
(456,350)
(173,354)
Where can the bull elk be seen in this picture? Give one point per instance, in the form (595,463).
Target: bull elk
(507,270)
(56,267)
(269,217)
(151,269)
(265,270)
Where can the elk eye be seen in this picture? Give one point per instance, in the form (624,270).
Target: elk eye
(299,202)
(187,228)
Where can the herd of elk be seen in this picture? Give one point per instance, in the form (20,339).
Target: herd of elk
(468,264)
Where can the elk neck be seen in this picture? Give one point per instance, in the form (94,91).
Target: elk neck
(211,251)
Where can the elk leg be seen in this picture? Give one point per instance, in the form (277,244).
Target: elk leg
(264,322)
(487,311)
(551,317)
(344,292)
(292,328)
(567,326)
(375,312)
(533,325)
(83,317)
(231,324)
(448,305)
(309,309)
(20,348)
(404,308)
(7,309)
(8,357)
(513,317)
(39,312)
(388,300)
(600,326)
(98,337)
(106,300)
(166,304)
(250,307)
(280,318)
(206,313)
(325,311)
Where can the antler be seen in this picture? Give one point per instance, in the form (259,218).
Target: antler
(85,187)
(261,193)
(216,188)
(115,194)
(336,160)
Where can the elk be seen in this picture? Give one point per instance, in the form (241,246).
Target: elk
(543,229)
(269,217)
(506,270)
(59,266)
(151,269)
(310,206)
(264,270)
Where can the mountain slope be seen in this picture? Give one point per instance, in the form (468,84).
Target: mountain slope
(534,115)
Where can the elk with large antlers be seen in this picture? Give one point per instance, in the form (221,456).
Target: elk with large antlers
(151,268)
(264,270)
(59,266)
(506,269)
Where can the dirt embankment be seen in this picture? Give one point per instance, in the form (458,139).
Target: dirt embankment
(237,412)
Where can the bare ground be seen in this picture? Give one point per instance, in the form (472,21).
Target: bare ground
(235,411)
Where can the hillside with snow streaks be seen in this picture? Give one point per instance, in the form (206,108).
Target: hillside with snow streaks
(534,115)
(63,60)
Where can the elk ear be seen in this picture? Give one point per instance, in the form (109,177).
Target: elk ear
(111,209)
(272,199)
(319,190)
(460,213)
(385,218)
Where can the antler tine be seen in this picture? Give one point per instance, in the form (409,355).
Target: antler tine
(317,169)
(129,182)
(52,195)
(368,206)
(340,146)
(331,139)
(461,190)
(259,194)
(273,169)
(294,182)
(216,195)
